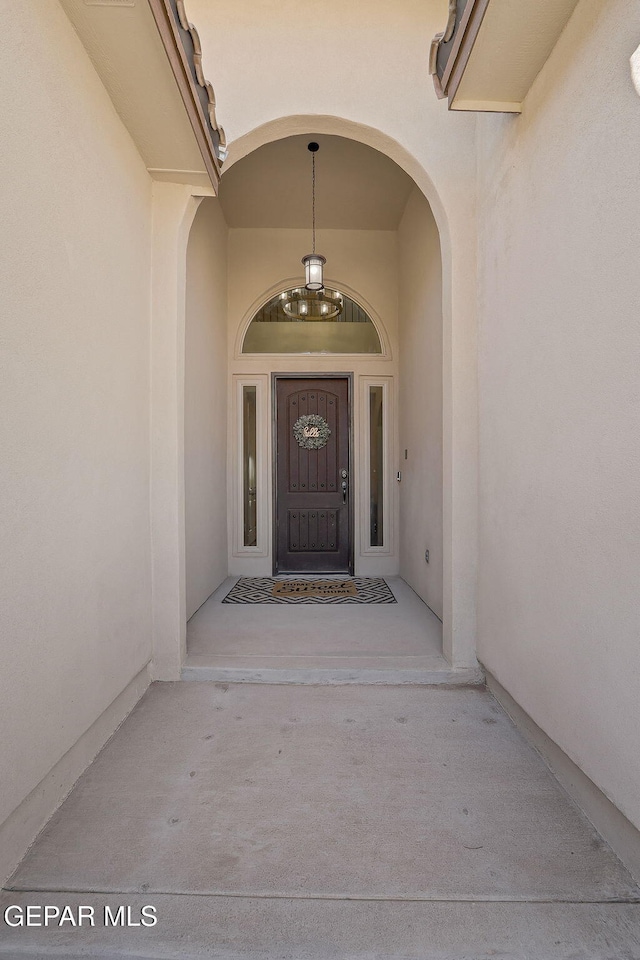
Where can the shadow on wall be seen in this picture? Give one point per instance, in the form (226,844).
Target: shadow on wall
(205,405)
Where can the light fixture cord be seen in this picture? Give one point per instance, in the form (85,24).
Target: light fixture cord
(313,199)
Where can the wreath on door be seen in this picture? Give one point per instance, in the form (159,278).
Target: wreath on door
(311,431)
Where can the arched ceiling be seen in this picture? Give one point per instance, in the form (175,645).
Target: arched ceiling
(357,188)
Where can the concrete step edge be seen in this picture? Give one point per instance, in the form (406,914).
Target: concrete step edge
(319,676)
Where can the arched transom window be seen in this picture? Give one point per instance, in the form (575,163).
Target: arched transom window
(274,329)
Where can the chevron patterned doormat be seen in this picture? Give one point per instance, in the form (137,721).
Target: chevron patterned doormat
(310,590)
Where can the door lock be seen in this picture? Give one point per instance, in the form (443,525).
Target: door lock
(344,475)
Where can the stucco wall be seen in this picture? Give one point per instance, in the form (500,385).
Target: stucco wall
(75,269)
(420,326)
(559,355)
(374,70)
(364,259)
(206,390)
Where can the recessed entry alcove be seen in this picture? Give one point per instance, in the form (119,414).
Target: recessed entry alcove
(368,349)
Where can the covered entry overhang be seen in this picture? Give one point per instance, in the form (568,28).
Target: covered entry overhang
(149,59)
(491,51)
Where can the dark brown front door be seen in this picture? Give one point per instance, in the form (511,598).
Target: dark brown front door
(313,475)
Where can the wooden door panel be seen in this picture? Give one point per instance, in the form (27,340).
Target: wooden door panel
(313,524)
(315,529)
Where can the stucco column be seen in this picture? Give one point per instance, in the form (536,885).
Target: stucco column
(460,443)
(174,207)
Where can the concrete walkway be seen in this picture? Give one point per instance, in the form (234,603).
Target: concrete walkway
(334,643)
(266,821)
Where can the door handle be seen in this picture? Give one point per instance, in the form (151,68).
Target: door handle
(344,475)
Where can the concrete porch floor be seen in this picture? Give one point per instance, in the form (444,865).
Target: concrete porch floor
(335,643)
(315,822)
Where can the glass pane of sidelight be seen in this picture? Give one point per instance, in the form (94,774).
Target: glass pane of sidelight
(376,472)
(249,491)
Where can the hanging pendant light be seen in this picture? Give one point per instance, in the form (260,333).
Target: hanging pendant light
(313,262)
(313,302)
(313,274)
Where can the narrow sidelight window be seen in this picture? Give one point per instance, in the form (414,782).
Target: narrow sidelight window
(376,473)
(249,441)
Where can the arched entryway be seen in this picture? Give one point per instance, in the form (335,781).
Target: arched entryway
(383,263)
(458,529)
